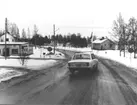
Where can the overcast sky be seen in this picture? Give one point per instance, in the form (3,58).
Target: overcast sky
(83,16)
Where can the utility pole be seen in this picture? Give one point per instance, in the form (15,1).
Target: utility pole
(91,39)
(54,36)
(5,38)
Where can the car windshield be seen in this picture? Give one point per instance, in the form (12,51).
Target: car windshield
(81,56)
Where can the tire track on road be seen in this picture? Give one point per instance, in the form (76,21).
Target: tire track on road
(109,92)
(84,90)
(128,93)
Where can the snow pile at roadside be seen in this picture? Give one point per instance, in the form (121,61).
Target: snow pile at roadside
(128,60)
(39,64)
(6,74)
(31,63)
(75,49)
(43,53)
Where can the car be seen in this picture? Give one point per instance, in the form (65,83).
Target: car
(83,61)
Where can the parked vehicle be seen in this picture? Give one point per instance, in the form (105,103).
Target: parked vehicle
(83,61)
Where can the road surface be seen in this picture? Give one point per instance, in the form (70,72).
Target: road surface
(112,84)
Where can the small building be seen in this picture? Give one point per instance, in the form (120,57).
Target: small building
(15,48)
(12,47)
(104,44)
(9,38)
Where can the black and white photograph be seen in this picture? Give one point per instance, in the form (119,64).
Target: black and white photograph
(68,52)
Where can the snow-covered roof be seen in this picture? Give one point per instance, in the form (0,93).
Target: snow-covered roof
(99,41)
(112,38)
(13,43)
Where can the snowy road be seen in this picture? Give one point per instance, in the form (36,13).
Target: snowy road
(112,84)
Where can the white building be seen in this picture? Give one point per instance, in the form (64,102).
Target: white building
(12,47)
(9,38)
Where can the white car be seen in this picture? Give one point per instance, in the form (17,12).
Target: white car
(82,61)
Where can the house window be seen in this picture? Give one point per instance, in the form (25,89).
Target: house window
(7,39)
(1,40)
(14,51)
(110,45)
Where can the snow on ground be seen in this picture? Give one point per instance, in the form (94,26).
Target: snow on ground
(110,54)
(30,64)
(6,74)
(128,60)
(33,64)
(43,53)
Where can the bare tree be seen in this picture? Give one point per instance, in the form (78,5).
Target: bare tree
(1,32)
(35,30)
(28,33)
(119,31)
(13,30)
(35,33)
(132,27)
(23,56)
(23,34)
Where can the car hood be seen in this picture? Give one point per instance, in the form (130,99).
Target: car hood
(83,60)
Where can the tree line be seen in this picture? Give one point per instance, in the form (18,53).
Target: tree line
(74,40)
(126,34)
(37,39)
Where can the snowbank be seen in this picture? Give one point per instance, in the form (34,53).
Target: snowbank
(43,53)
(128,60)
(30,64)
(6,74)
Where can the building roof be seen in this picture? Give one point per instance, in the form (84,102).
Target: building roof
(99,41)
(13,43)
(114,39)
(8,34)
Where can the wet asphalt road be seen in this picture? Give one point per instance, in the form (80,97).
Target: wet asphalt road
(111,84)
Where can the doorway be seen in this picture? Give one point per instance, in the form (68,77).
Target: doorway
(101,47)
(7,52)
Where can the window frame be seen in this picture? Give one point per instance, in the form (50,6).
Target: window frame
(7,39)
(13,50)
